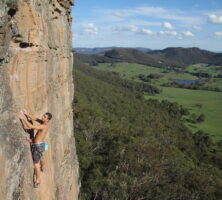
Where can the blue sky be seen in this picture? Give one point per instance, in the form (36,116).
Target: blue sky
(155,24)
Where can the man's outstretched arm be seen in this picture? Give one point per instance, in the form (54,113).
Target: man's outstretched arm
(31,117)
(29,125)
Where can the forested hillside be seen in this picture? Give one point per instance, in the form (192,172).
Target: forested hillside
(166,58)
(135,149)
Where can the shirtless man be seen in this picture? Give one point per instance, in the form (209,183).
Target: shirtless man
(37,143)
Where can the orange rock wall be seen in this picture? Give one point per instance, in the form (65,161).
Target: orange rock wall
(36,73)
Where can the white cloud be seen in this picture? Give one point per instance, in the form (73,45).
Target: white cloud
(187,34)
(147,32)
(170,33)
(118,14)
(75,36)
(168,25)
(214,19)
(148,10)
(156,12)
(90,29)
(197,28)
(140,22)
(166,33)
(130,28)
(218,34)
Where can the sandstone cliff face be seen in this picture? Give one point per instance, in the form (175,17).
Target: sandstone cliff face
(36,74)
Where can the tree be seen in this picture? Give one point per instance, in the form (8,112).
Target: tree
(201,118)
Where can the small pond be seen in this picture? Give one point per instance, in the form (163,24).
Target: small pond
(188,81)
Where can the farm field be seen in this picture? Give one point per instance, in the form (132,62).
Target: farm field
(211,107)
(132,71)
(213,71)
(210,102)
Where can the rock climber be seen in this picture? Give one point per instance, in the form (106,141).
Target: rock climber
(37,146)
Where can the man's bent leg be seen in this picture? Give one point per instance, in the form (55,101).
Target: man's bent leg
(37,172)
(36,155)
(42,164)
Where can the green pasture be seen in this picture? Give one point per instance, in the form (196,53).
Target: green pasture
(212,70)
(131,71)
(214,82)
(211,101)
(211,107)
(128,70)
(205,68)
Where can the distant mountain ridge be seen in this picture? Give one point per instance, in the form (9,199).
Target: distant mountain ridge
(98,50)
(169,57)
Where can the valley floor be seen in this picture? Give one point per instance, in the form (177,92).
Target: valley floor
(211,107)
(208,103)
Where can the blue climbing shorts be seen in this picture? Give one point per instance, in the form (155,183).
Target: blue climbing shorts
(37,151)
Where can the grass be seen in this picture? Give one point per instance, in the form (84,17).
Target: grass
(212,70)
(204,68)
(128,70)
(131,72)
(212,107)
(211,101)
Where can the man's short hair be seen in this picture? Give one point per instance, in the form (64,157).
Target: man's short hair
(49,115)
